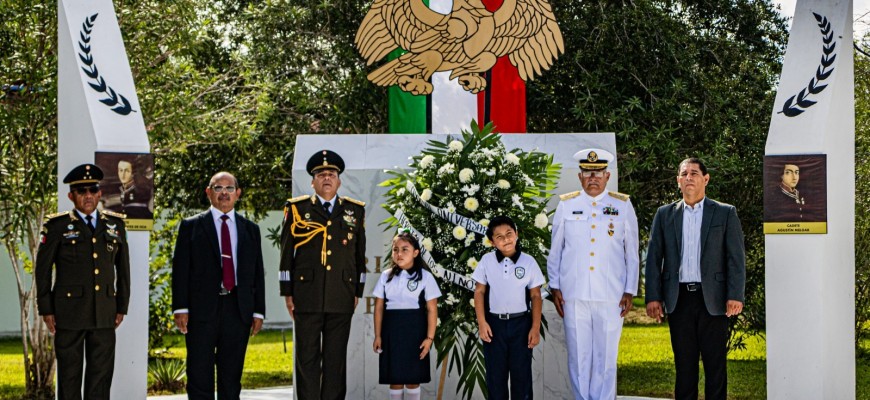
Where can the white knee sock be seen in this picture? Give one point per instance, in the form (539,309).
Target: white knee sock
(412,394)
(395,394)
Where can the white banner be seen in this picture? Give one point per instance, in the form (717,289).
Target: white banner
(453,218)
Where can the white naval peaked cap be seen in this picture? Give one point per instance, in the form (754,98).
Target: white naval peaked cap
(593,159)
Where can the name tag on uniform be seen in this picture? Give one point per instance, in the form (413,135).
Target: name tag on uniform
(577,212)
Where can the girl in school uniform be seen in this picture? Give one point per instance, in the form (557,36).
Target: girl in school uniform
(405,330)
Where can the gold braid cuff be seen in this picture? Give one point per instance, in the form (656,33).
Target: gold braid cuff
(317,229)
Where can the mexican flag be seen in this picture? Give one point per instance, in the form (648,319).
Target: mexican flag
(450,108)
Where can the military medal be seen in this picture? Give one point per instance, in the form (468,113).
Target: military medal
(109,247)
(307,215)
(70,227)
(610,231)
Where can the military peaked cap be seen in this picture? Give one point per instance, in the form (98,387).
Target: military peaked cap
(593,159)
(325,159)
(84,175)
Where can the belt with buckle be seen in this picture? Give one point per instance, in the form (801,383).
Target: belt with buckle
(510,316)
(225,292)
(693,286)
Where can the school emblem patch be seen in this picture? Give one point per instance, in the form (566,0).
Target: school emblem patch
(412,285)
(519,272)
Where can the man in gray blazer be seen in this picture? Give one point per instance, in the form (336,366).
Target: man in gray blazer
(696,266)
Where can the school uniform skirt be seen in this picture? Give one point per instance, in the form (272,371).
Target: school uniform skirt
(402,333)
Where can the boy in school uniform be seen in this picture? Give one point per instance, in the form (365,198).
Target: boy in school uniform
(507,300)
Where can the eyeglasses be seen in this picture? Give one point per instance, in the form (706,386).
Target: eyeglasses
(224,189)
(89,189)
(596,174)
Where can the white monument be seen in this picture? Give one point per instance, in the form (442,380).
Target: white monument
(98,110)
(810,278)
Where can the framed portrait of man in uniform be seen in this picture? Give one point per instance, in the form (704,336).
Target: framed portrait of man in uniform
(795,194)
(128,187)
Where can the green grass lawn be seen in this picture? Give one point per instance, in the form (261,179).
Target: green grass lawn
(645,365)
(266,363)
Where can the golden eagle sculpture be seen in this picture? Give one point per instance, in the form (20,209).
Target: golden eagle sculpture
(468,41)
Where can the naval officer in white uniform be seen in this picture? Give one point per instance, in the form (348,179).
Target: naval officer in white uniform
(593,272)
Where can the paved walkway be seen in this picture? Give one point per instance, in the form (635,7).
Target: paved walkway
(286,392)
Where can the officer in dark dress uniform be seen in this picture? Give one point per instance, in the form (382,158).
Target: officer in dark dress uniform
(91,289)
(322,276)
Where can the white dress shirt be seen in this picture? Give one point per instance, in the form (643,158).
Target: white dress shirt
(690,263)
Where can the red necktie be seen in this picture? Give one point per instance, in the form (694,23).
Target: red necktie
(227,255)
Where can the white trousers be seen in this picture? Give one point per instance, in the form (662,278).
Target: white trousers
(592,331)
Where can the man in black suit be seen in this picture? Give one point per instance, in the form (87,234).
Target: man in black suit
(696,266)
(218,291)
(87,251)
(322,276)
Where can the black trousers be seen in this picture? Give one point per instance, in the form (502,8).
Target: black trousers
(73,347)
(695,333)
(217,343)
(321,345)
(508,356)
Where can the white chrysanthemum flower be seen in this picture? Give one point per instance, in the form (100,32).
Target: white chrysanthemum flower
(426,195)
(515,199)
(512,158)
(471,204)
(459,232)
(484,222)
(489,153)
(427,244)
(541,221)
(503,184)
(451,208)
(451,299)
(469,240)
(427,161)
(465,175)
(528,180)
(489,172)
(455,146)
(470,190)
(472,263)
(486,242)
(471,301)
(446,169)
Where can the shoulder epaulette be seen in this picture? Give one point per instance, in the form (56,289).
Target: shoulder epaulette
(569,196)
(298,198)
(114,214)
(55,215)
(354,201)
(618,196)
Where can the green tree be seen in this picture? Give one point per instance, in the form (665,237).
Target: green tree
(862,193)
(27,166)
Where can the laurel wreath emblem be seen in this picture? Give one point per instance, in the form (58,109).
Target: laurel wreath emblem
(792,108)
(116,101)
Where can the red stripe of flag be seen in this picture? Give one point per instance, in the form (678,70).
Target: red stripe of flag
(504,100)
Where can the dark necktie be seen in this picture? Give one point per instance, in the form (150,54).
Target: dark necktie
(229,273)
(326,207)
(90,223)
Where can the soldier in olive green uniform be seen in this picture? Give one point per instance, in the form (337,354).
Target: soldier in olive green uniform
(88,299)
(322,277)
